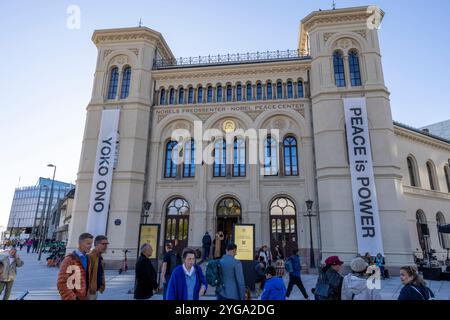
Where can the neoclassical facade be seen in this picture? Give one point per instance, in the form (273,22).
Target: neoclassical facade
(298,95)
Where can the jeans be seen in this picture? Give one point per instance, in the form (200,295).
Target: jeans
(294,280)
(8,286)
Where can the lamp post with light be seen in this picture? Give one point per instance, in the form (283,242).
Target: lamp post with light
(147,206)
(309,204)
(47,214)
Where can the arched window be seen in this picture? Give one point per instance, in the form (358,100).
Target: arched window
(162,99)
(189,160)
(412,172)
(191,95)
(170,168)
(239,157)
(238,92)
(443,237)
(355,72)
(126,80)
(249,92)
(290,156)
(219,94)
(209,94)
(229,93)
(447,177)
(200,94)
(220,152)
(279,90)
(228,207)
(270,157)
(300,92)
(177,223)
(269,91)
(113,83)
(339,73)
(290,91)
(431,175)
(180,96)
(172,96)
(259,91)
(283,225)
(423,232)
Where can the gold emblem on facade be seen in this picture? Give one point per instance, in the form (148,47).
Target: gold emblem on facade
(229,126)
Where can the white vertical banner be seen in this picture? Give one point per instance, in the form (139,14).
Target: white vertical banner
(365,204)
(103,172)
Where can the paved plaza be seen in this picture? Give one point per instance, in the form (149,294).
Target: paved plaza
(40,281)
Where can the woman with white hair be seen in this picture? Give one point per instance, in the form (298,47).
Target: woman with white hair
(355,285)
(145,274)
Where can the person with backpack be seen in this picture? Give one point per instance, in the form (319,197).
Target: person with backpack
(187,281)
(274,288)
(293,267)
(415,288)
(206,244)
(170,262)
(354,285)
(329,282)
(233,287)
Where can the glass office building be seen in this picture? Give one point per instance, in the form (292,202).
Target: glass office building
(30,204)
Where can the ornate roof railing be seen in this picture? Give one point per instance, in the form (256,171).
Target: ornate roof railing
(236,58)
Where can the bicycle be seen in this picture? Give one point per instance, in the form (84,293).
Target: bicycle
(124,267)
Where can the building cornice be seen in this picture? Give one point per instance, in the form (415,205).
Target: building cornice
(355,15)
(107,36)
(232,71)
(426,193)
(422,138)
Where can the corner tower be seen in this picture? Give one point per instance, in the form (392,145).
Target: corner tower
(122,81)
(346,63)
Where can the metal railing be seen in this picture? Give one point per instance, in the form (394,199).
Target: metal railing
(229,59)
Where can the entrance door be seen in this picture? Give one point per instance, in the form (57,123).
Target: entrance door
(226,224)
(177,224)
(283,222)
(228,214)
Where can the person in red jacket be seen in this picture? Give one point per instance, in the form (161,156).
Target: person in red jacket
(72,276)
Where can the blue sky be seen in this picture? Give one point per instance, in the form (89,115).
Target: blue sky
(48,69)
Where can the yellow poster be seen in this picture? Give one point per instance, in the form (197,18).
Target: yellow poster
(244,235)
(149,234)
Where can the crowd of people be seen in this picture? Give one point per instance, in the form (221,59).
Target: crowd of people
(82,273)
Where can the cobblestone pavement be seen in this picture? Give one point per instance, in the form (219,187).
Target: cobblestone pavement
(40,281)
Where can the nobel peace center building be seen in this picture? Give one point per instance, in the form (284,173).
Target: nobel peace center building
(299,144)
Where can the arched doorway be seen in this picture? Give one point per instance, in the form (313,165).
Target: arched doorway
(228,214)
(423,232)
(443,238)
(177,223)
(283,225)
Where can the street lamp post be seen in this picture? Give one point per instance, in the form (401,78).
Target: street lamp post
(309,204)
(44,234)
(147,206)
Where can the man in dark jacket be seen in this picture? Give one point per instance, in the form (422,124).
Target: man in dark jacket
(145,274)
(206,243)
(295,277)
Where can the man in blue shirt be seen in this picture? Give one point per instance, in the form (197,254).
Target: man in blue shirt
(294,276)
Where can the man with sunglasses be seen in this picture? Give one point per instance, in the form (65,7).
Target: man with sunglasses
(96,268)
